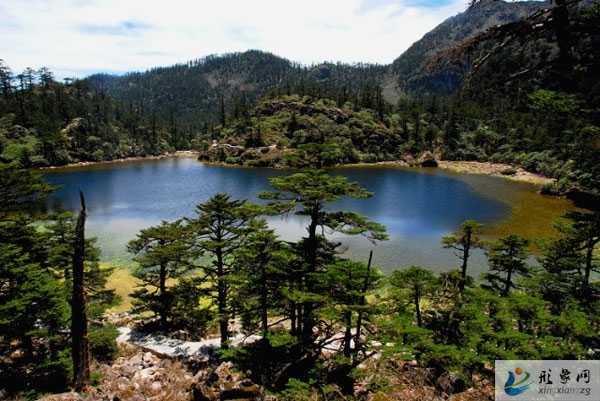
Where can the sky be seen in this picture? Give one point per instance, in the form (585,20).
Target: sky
(75,38)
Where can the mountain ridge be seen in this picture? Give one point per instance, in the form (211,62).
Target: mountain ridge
(192,92)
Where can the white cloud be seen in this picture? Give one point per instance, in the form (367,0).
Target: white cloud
(76,37)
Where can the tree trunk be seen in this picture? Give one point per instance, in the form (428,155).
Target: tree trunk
(348,335)
(508,283)
(308,318)
(465,262)
(293,329)
(163,295)
(222,300)
(79,338)
(418,306)
(299,319)
(264,299)
(363,301)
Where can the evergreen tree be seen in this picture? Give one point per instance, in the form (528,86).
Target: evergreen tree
(33,312)
(60,237)
(345,280)
(260,275)
(307,194)
(507,259)
(220,229)
(162,253)
(419,282)
(463,241)
(571,260)
(20,188)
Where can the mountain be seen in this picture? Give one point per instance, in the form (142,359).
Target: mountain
(411,68)
(198,93)
(554,49)
(192,95)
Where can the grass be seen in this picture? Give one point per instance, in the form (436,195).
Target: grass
(123,282)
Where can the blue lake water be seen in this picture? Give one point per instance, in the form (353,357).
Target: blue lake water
(417,207)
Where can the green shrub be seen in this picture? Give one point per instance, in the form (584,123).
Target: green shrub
(103,344)
(95,378)
(296,390)
(53,374)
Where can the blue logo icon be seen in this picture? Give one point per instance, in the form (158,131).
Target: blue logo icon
(517,382)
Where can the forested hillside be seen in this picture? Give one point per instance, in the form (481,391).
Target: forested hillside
(44,122)
(301,131)
(199,94)
(545,72)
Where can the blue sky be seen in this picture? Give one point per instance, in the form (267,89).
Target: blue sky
(79,37)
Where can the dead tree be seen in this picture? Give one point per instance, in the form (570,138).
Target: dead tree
(79,330)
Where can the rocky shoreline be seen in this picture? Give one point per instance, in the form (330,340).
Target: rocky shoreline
(496,169)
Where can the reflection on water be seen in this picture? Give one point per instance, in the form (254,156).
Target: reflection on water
(417,208)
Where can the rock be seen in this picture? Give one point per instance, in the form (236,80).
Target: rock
(427,159)
(122,384)
(72,396)
(156,386)
(221,152)
(145,374)
(449,383)
(225,384)
(409,159)
(134,360)
(247,393)
(203,393)
(148,358)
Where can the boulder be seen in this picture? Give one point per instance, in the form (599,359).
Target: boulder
(225,384)
(427,159)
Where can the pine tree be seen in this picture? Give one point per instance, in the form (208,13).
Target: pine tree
(570,260)
(20,188)
(345,280)
(507,259)
(260,275)
(419,282)
(307,194)
(60,237)
(162,253)
(33,312)
(219,229)
(463,241)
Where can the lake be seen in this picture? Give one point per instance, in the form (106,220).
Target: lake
(418,206)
